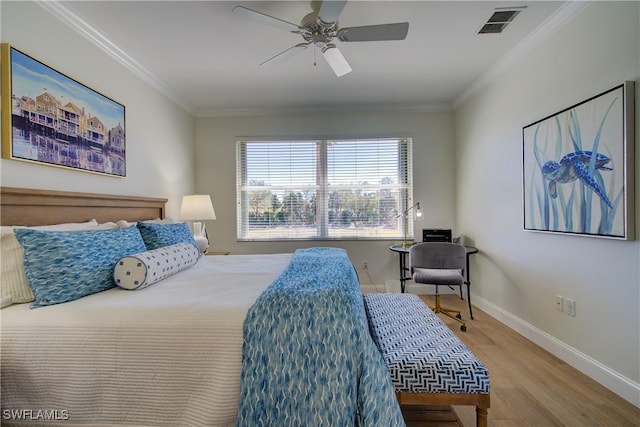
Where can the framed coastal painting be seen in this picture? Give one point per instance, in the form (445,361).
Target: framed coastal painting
(51,119)
(578,168)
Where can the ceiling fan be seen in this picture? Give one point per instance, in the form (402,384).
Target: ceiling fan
(320,29)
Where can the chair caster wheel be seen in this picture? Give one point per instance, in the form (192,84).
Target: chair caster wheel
(463,328)
(459,316)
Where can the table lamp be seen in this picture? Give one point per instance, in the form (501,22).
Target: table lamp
(418,215)
(196,208)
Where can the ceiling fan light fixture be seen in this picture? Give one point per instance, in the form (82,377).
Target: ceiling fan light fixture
(320,29)
(336,60)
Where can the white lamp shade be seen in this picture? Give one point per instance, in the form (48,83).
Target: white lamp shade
(197,207)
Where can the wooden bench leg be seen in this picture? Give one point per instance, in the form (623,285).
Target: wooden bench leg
(481,416)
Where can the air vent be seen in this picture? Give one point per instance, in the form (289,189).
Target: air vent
(499,20)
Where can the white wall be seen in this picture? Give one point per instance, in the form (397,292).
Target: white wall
(518,273)
(160,135)
(433,174)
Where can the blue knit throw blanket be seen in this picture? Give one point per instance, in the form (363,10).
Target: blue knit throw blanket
(308,357)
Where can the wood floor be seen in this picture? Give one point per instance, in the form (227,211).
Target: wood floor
(529,386)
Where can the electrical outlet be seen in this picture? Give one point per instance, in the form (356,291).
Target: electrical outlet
(559,303)
(365,265)
(570,307)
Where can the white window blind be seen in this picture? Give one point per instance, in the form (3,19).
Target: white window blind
(323,189)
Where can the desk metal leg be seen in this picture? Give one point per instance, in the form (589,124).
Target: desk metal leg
(401,258)
(468,287)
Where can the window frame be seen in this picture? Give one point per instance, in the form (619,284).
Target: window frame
(323,227)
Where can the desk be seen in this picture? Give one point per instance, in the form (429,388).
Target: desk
(402,256)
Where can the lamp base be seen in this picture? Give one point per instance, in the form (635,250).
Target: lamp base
(202,242)
(197,229)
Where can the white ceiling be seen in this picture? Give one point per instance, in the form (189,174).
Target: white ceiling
(206,58)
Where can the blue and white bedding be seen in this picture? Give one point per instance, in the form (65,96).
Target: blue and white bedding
(308,358)
(167,355)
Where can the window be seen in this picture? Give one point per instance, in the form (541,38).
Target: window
(323,189)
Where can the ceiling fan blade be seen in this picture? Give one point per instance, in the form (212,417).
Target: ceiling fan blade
(372,33)
(330,10)
(265,19)
(286,54)
(336,60)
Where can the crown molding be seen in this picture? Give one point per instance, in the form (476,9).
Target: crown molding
(90,33)
(564,14)
(325,109)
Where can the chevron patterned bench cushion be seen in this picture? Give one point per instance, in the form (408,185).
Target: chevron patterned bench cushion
(423,355)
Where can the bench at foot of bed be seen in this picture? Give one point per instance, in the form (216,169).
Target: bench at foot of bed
(428,363)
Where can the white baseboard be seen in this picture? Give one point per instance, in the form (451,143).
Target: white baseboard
(614,381)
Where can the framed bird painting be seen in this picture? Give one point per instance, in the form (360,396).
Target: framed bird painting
(578,168)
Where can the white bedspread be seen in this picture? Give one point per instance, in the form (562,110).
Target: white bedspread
(169,354)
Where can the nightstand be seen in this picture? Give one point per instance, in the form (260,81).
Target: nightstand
(217,253)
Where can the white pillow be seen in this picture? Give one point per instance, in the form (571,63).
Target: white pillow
(13,281)
(124,224)
(106,226)
(68,226)
(146,268)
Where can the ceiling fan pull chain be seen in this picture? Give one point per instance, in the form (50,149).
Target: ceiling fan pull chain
(315,51)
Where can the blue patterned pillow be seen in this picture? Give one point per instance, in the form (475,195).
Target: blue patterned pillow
(160,235)
(62,266)
(141,270)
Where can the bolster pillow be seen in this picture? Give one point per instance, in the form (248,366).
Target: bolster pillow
(146,268)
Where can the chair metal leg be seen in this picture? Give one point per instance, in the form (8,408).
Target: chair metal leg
(469,299)
(449,312)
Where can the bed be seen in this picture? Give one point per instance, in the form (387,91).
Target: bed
(172,353)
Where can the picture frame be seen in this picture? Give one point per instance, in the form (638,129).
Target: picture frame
(577,170)
(51,119)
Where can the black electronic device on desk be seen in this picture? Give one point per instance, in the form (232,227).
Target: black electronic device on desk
(436,235)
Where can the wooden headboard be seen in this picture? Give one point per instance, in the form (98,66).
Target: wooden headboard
(24,206)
